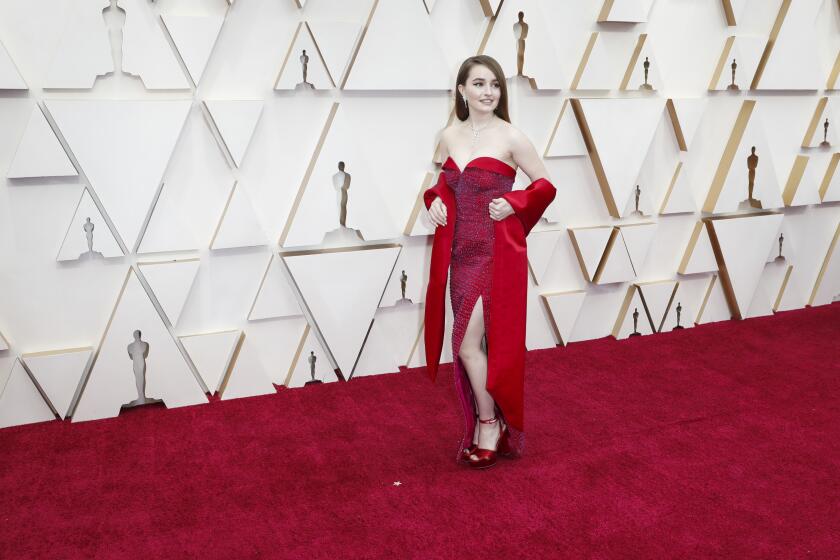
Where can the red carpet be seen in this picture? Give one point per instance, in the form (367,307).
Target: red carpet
(722,441)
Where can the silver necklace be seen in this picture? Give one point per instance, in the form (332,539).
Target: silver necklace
(477,131)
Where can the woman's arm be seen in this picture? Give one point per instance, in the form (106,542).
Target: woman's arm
(526,156)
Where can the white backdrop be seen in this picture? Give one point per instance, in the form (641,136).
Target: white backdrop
(180,128)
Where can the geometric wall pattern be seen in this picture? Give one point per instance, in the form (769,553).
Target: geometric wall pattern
(177,168)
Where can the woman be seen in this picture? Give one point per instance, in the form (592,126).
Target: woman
(480,229)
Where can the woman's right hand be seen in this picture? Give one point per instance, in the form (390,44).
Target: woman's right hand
(437,212)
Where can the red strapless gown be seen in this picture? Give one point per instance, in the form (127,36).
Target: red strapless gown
(488,260)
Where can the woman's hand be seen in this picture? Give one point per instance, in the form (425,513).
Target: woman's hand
(437,212)
(500,209)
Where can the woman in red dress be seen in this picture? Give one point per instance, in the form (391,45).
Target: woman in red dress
(480,231)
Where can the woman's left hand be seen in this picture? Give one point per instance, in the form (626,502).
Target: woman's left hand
(500,209)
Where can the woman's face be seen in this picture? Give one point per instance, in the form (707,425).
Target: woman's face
(482,90)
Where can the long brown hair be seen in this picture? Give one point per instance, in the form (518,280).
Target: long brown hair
(461,110)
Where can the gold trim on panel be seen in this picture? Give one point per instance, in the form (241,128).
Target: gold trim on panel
(781,293)
(604,14)
(622,311)
(831,83)
(488,12)
(794,179)
(320,54)
(487,8)
(675,123)
(771,42)
(262,283)
(305,181)
(645,307)
(670,187)
(584,60)
(579,253)
(829,174)
(358,45)
(728,155)
(288,54)
(544,298)
(729,13)
(556,126)
(224,213)
(724,56)
(301,252)
(815,121)
(231,364)
(296,357)
(824,266)
(416,341)
(595,158)
(705,299)
(55,352)
(418,203)
(614,234)
(634,58)
(689,249)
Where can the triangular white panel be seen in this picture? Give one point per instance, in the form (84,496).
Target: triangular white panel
(565,307)
(75,243)
(744,243)
(39,153)
(735,188)
(627,11)
(687,301)
(312,361)
(746,51)
(112,380)
(637,239)
(58,373)
(84,50)
(830,184)
(689,113)
(657,298)
(622,131)
(123,148)
(634,76)
(714,306)
(171,282)
(10,78)
(194,37)
(540,57)
(606,62)
(767,290)
(788,244)
(644,205)
(342,290)
(827,284)
(541,246)
(146,52)
(20,401)
(238,225)
(303,50)
(802,187)
(318,214)
(167,230)
(539,332)
(616,265)
(414,260)
(827,107)
(247,378)
(589,244)
(336,42)
(276,297)
(277,359)
(793,62)
(235,120)
(698,255)
(4,344)
(678,197)
(211,354)
(632,313)
(566,139)
(399,35)
(393,333)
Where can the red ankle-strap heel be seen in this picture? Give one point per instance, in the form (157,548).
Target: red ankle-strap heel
(486,458)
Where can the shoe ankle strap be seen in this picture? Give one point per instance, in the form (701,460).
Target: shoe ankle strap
(489,420)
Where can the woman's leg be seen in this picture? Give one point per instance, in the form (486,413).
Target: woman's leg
(474,359)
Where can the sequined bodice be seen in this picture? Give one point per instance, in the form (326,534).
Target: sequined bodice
(474,189)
